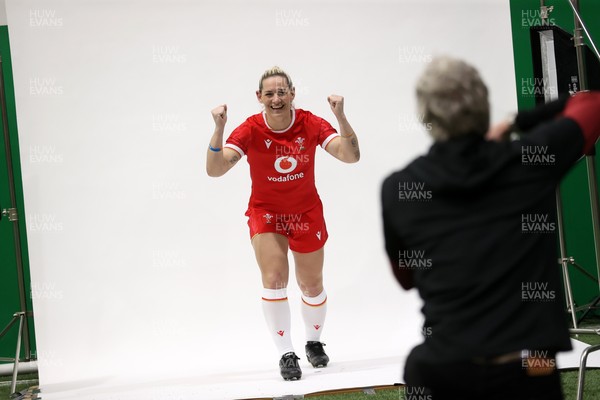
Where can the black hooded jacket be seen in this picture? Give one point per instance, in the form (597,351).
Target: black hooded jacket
(472,225)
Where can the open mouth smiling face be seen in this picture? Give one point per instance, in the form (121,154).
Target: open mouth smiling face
(276,96)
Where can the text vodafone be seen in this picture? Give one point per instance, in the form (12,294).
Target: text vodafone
(286,178)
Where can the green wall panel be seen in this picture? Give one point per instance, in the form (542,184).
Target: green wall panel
(575,194)
(9,293)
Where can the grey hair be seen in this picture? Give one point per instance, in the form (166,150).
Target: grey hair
(274,71)
(452,100)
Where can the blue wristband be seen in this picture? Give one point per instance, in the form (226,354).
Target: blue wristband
(216,150)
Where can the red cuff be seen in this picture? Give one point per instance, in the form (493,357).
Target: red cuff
(584,109)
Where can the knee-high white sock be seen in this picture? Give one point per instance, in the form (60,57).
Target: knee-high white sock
(277,315)
(314,310)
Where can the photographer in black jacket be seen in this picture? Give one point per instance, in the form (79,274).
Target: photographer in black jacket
(471,225)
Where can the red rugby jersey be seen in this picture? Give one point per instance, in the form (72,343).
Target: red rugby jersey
(282,163)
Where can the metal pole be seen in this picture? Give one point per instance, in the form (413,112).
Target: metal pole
(586,330)
(22,317)
(563,258)
(13,199)
(580,21)
(543,12)
(559,217)
(582,367)
(578,43)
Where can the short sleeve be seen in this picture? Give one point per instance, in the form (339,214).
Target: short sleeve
(326,132)
(239,139)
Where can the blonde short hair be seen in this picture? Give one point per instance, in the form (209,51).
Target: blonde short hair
(452,99)
(274,71)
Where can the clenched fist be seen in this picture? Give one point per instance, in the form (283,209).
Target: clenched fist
(337,105)
(219,114)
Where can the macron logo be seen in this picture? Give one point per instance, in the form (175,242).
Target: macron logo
(268,143)
(319,235)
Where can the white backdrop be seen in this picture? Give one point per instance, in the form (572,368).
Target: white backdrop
(141,264)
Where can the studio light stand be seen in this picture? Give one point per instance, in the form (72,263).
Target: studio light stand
(12,215)
(550,70)
(590,160)
(562,67)
(591,168)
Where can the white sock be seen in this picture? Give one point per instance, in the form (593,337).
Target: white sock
(314,310)
(277,315)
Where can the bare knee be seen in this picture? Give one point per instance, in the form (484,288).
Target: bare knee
(274,280)
(310,284)
(309,272)
(311,289)
(271,255)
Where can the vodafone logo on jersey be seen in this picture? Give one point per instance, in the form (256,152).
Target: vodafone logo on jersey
(285,164)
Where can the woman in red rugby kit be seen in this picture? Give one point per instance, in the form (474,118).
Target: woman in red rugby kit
(285,211)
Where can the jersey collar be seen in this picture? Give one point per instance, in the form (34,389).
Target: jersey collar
(264,114)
